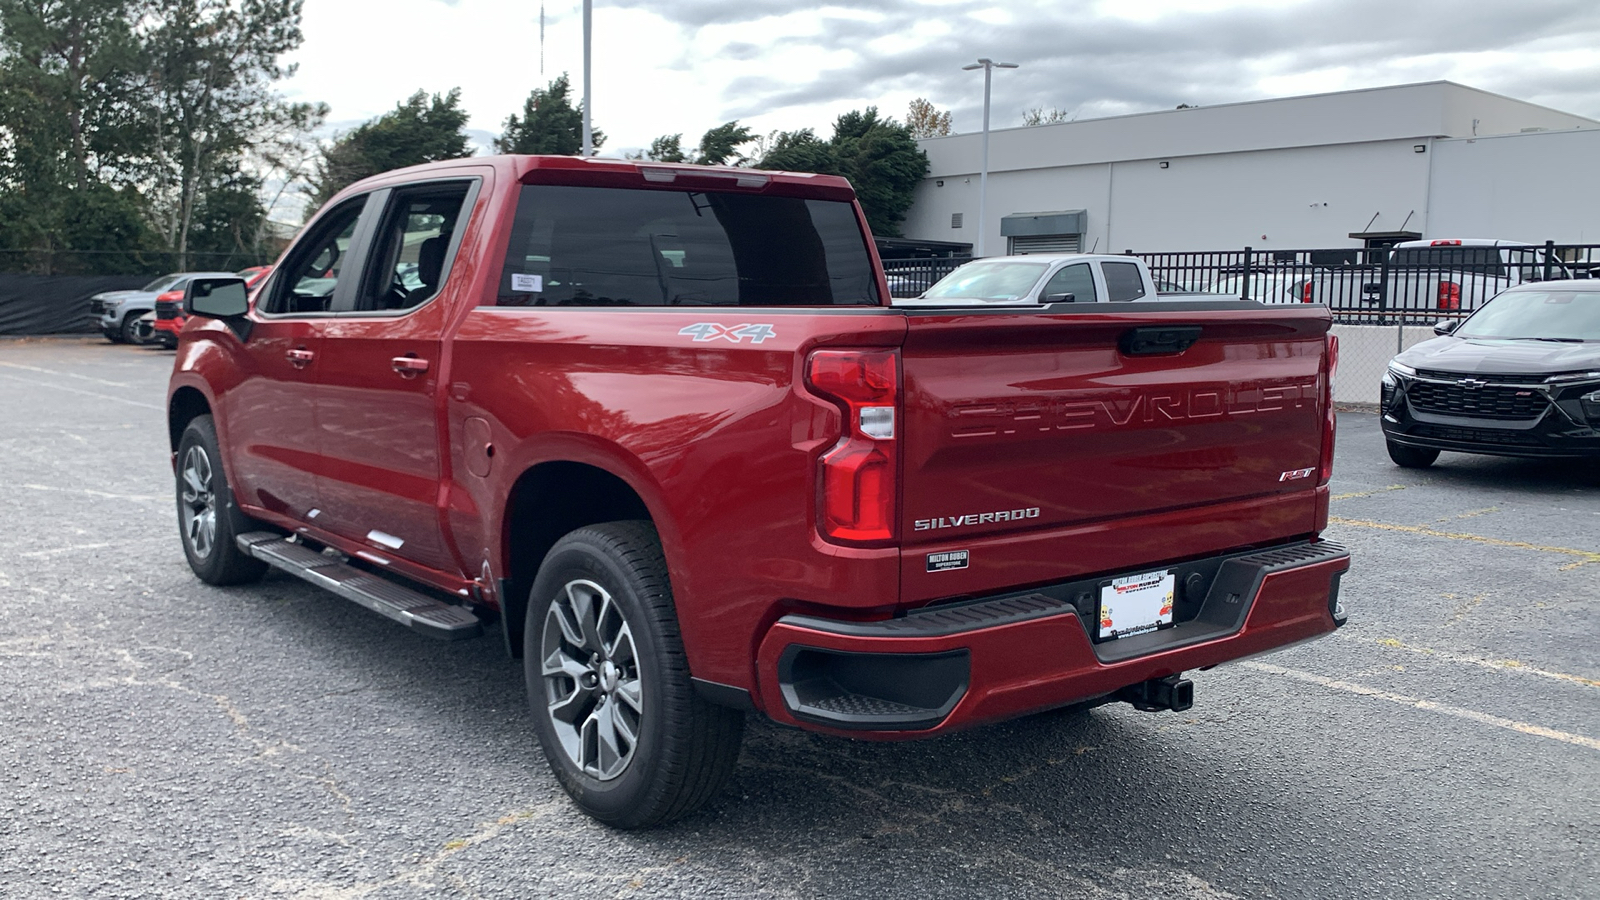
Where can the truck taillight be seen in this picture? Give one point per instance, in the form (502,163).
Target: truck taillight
(1330,422)
(1305,293)
(856,477)
(1449,295)
(1444,243)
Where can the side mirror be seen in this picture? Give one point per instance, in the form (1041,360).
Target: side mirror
(1060,298)
(1445,326)
(216,298)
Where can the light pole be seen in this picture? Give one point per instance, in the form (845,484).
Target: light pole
(588,134)
(988,66)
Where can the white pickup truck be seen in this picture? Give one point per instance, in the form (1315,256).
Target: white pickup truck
(1042,279)
(1438,276)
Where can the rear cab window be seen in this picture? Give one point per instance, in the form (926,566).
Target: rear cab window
(601,246)
(1122,281)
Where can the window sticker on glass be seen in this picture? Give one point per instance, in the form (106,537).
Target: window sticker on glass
(527,284)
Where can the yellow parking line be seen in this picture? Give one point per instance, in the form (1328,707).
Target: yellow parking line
(1470,715)
(1584,556)
(1383,490)
(1504,665)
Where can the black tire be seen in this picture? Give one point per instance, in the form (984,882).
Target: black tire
(1411,457)
(130,327)
(685,747)
(208,517)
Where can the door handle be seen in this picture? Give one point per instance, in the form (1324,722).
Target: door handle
(409,366)
(300,358)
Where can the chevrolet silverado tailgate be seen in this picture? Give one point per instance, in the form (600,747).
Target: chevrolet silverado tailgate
(1027,423)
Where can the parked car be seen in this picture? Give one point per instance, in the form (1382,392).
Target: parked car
(1519,377)
(169,317)
(662,423)
(1455,275)
(119,311)
(1041,279)
(1270,286)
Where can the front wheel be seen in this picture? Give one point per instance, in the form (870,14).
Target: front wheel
(1411,457)
(130,328)
(208,517)
(608,682)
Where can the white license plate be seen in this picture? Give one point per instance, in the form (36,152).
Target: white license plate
(1135,604)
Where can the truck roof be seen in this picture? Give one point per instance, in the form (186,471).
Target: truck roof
(1053,258)
(1461,242)
(603,172)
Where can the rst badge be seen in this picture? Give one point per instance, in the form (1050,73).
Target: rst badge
(711,331)
(1297,474)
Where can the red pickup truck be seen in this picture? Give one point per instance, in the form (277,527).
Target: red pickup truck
(663,425)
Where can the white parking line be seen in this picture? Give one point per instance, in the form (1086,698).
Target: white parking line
(91,492)
(12,365)
(62,387)
(1470,715)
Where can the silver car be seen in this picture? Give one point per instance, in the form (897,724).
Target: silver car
(119,311)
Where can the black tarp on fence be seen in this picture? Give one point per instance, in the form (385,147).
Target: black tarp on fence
(55,304)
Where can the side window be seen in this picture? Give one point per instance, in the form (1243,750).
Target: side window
(1123,281)
(1076,280)
(409,255)
(312,270)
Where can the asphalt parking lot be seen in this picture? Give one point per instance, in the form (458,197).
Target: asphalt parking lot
(159,737)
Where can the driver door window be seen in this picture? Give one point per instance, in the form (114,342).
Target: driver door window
(309,277)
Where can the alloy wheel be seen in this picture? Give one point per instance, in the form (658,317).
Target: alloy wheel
(199,506)
(593,691)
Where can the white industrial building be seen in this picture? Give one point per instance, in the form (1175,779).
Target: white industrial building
(1347,169)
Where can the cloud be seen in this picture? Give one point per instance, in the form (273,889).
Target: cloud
(1077,56)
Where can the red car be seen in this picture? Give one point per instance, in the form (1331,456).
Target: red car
(661,426)
(170,317)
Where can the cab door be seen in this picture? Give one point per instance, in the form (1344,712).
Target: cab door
(271,420)
(380,380)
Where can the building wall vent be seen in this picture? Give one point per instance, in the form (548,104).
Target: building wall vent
(955,220)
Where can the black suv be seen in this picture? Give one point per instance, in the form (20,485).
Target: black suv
(1519,377)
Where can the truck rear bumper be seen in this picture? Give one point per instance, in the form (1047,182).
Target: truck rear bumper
(956,666)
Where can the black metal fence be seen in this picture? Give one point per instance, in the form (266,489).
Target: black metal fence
(1388,286)
(910,277)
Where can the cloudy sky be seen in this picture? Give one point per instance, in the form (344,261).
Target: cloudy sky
(664,66)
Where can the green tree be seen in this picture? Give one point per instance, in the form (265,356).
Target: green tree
(212,67)
(879,156)
(549,124)
(667,148)
(69,96)
(720,145)
(801,151)
(421,129)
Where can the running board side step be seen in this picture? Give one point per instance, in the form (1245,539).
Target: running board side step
(410,608)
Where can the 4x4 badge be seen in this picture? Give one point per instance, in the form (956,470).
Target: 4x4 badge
(710,331)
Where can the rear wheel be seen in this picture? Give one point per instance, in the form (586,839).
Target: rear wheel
(1411,457)
(608,682)
(208,517)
